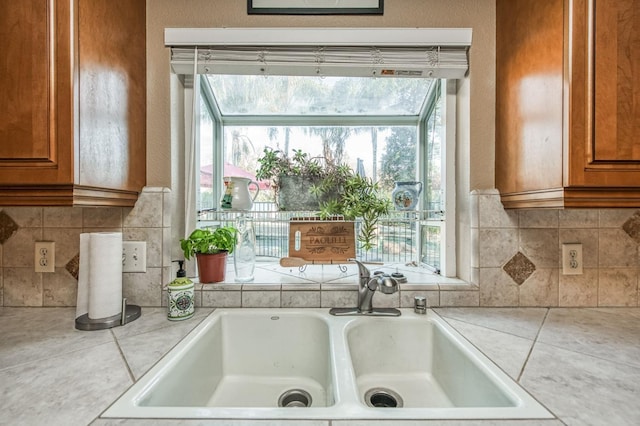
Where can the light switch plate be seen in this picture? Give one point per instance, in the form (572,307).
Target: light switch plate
(134,256)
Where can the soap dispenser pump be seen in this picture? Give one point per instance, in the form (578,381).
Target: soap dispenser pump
(180,294)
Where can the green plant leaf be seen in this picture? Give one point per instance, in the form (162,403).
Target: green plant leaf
(355,196)
(209,241)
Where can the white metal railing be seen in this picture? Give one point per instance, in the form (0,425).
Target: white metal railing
(402,236)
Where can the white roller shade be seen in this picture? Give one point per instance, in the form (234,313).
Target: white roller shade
(433,53)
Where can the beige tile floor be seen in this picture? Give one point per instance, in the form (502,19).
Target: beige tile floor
(582,364)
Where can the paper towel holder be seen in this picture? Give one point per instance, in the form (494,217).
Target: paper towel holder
(129,313)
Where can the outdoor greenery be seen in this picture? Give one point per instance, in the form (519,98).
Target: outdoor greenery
(396,164)
(312,96)
(307,125)
(207,241)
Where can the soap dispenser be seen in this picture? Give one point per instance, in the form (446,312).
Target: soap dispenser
(180,295)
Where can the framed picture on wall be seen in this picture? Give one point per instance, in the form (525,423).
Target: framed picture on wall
(315,7)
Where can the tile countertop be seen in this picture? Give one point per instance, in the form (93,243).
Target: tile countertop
(582,364)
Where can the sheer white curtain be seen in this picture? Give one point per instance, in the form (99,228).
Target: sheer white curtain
(191,100)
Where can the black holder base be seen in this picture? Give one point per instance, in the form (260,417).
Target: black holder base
(130,313)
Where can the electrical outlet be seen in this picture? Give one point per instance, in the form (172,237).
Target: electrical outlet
(134,256)
(571,258)
(45,256)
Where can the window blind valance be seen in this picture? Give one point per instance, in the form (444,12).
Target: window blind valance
(322,52)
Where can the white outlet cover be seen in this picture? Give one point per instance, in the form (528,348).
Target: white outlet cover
(572,259)
(45,256)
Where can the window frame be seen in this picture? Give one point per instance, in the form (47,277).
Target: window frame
(446,92)
(445,89)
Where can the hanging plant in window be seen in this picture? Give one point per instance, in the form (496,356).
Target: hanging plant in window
(302,182)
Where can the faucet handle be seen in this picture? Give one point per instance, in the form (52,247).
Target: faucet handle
(362,270)
(387,284)
(420,304)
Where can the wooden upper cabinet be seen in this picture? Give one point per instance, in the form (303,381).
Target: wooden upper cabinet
(616,80)
(568,103)
(73,114)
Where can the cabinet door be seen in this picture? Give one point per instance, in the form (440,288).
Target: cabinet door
(25,84)
(605,93)
(112,94)
(529,95)
(35,111)
(72,117)
(617,80)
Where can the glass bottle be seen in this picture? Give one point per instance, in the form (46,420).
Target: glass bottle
(244,254)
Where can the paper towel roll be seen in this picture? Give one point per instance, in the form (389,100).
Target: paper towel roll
(100,275)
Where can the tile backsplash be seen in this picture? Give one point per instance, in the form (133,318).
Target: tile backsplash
(516,255)
(515,259)
(20,286)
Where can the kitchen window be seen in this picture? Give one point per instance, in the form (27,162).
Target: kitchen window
(387,127)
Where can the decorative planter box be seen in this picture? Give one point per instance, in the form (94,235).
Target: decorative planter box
(322,241)
(295,194)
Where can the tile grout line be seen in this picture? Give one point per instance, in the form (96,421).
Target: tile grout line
(524,365)
(124,358)
(575,351)
(467,321)
(533,344)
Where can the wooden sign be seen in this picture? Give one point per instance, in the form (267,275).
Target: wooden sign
(322,240)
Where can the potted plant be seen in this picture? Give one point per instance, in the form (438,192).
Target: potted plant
(292,178)
(334,189)
(211,248)
(357,197)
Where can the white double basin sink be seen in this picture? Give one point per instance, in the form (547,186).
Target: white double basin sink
(307,364)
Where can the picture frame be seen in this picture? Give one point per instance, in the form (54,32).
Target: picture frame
(315,7)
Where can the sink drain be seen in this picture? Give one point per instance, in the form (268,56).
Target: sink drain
(382,398)
(295,398)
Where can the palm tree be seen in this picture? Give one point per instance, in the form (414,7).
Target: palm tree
(241,149)
(274,132)
(333,141)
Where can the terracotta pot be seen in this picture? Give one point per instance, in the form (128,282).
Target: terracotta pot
(211,267)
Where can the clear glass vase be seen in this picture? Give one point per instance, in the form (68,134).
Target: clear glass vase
(244,254)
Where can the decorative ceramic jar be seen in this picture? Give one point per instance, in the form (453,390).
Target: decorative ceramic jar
(405,195)
(236,193)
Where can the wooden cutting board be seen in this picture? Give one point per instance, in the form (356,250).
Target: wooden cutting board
(322,240)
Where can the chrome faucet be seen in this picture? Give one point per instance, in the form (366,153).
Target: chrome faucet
(366,289)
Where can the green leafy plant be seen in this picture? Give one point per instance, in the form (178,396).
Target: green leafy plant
(208,241)
(358,198)
(274,164)
(293,178)
(344,192)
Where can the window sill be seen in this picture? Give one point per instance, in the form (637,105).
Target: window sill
(318,286)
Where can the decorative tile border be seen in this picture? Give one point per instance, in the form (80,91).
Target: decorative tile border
(529,272)
(327,295)
(20,227)
(8,227)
